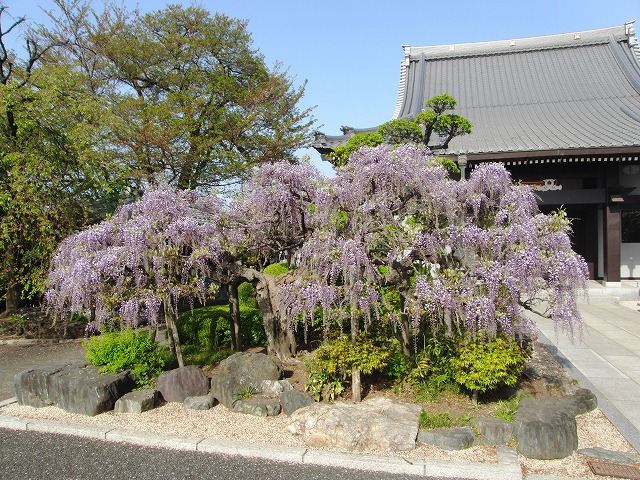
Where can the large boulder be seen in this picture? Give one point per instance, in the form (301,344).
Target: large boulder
(176,385)
(258,406)
(225,389)
(245,370)
(545,429)
(493,431)
(376,424)
(293,400)
(250,368)
(448,438)
(76,388)
(137,401)
(582,401)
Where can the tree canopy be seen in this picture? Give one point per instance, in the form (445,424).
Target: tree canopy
(106,103)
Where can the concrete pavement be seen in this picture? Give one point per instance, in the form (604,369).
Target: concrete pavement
(606,359)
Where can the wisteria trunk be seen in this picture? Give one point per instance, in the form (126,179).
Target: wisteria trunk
(234,312)
(280,339)
(172,329)
(404,328)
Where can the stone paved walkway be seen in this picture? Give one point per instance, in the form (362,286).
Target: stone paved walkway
(606,360)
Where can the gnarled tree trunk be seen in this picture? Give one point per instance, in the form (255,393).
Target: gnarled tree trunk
(280,339)
(234,313)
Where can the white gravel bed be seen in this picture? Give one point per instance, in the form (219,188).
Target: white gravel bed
(594,430)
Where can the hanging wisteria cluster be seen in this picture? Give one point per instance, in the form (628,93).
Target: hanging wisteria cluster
(269,217)
(150,255)
(463,255)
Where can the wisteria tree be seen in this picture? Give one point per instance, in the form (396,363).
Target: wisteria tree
(140,264)
(171,247)
(268,222)
(464,256)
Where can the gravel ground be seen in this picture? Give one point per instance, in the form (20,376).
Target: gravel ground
(594,430)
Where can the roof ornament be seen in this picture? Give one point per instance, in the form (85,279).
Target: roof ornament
(632,40)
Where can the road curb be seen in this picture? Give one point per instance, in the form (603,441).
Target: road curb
(507,468)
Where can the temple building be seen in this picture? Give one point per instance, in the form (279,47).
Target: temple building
(561,112)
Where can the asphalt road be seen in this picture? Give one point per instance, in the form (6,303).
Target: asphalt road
(35,456)
(16,358)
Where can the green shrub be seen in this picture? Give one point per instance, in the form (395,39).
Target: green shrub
(483,364)
(208,329)
(276,268)
(246,295)
(329,368)
(126,350)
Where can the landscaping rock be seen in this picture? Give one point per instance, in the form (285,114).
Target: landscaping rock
(202,402)
(610,455)
(251,368)
(493,431)
(274,387)
(582,401)
(293,400)
(448,438)
(137,402)
(376,424)
(176,385)
(225,389)
(258,406)
(76,388)
(545,429)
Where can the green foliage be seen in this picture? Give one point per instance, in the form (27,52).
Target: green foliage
(432,364)
(276,268)
(399,365)
(433,119)
(399,131)
(209,327)
(340,155)
(450,166)
(126,350)
(506,409)
(482,365)
(331,365)
(246,295)
(429,421)
(245,393)
(441,103)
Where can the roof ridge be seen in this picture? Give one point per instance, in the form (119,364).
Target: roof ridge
(585,37)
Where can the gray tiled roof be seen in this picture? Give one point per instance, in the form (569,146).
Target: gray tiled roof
(553,93)
(545,93)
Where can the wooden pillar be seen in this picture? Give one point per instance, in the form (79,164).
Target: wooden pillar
(612,239)
(613,229)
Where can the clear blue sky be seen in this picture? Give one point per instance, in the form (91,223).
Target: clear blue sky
(350,51)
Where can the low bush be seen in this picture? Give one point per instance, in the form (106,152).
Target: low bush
(481,365)
(208,329)
(127,350)
(330,367)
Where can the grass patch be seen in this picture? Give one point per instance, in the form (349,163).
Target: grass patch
(433,420)
(506,409)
